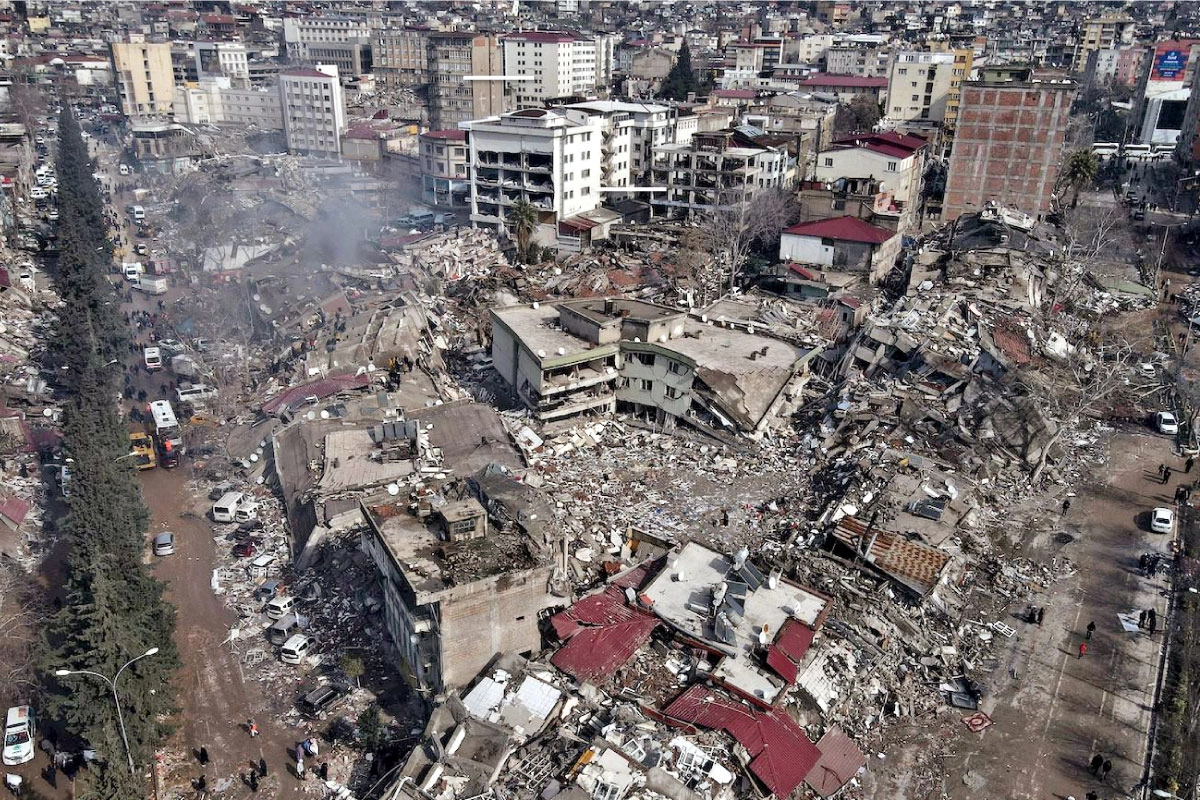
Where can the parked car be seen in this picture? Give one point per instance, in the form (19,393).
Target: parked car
(244,549)
(322,699)
(1166,422)
(164,544)
(1162,520)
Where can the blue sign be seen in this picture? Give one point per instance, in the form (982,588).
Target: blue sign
(1169,64)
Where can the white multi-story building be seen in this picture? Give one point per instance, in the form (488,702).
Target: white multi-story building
(629,134)
(214,101)
(550,158)
(228,59)
(145,80)
(552,65)
(300,32)
(314,113)
(716,169)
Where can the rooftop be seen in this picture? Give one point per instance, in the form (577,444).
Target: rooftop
(747,603)
(845,229)
(844,81)
(538,329)
(449,135)
(432,564)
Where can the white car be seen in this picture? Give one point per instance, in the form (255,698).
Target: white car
(19,733)
(1162,520)
(1166,422)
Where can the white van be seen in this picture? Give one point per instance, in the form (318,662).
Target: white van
(224,509)
(195,393)
(19,733)
(246,511)
(132,270)
(138,213)
(280,607)
(152,356)
(284,629)
(296,648)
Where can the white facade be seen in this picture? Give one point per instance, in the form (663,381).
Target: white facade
(228,59)
(548,158)
(630,132)
(314,112)
(213,101)
(560,65)
(919,85)
(299,33)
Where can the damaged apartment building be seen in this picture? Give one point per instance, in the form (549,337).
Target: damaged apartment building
(608,354)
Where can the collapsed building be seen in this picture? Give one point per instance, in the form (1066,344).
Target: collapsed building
(609,354)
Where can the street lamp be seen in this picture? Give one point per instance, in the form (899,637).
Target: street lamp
(112,684)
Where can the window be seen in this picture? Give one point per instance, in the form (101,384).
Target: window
(673,393)
(891,166)
(645,384)
(587,173)
(903,71)
(645,359)
(676,368)
(586,190)
(829,161)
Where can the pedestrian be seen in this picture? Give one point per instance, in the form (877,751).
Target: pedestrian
(253,781)
(1187,465)
(1091,796)
(1097,761)
(1152,620)
(202,783)
(1105,768)
(1041,615)
(262,767)
(300,768)
(1162,470)
(203,754)
(1082,649)
(252,727)
(1142,619)
(1066,506)
(1091,628)
(1167,476)
(323,771)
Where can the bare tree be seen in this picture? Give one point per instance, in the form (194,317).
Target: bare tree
(21,617)
(1086,381)
(1088,239)
(731,231)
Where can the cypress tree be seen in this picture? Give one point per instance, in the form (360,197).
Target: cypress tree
(681,79)
(114,609)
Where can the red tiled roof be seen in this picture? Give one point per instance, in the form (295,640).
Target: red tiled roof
(839,762)
(605,608)
(736,94)
(306,72)
(850,302)
(595,654)
(845,229)
(326,387)
(794,639)
(803,272)
(781,755)
(782,665)
(450,134)
(889,143)
(14,509)
(847,81)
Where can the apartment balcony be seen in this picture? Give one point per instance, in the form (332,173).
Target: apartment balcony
(509,199)
(539,188)
(543,204)
(511,162)
(510,182)
(576,378)
(487,198)
(487,177)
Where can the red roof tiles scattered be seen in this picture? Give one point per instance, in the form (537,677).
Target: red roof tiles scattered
(839,762)
(782,756)
(326,387)
(595,654)
(845,229)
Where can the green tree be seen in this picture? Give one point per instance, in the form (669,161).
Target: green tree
(370,727)
(524,219)
(353,667)
(1079,170)
(681,79)
(114,609)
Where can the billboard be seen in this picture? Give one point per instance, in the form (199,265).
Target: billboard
(1170,60)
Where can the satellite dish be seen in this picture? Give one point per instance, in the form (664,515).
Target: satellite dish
(260,480)
(47,412)
(254,458)
(256,297)
(311,415)
(393,489)
(324,414)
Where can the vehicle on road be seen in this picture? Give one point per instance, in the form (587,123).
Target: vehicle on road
(19,733)
(224,509)
(141,447)
(152,358)
(1162,520)
(1166,422)
(164,544)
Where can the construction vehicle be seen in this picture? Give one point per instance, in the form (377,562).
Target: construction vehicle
(142,449)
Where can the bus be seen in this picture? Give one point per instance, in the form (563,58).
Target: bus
(141,447)
(167,433)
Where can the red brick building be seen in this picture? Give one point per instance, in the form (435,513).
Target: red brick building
(1008,146)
